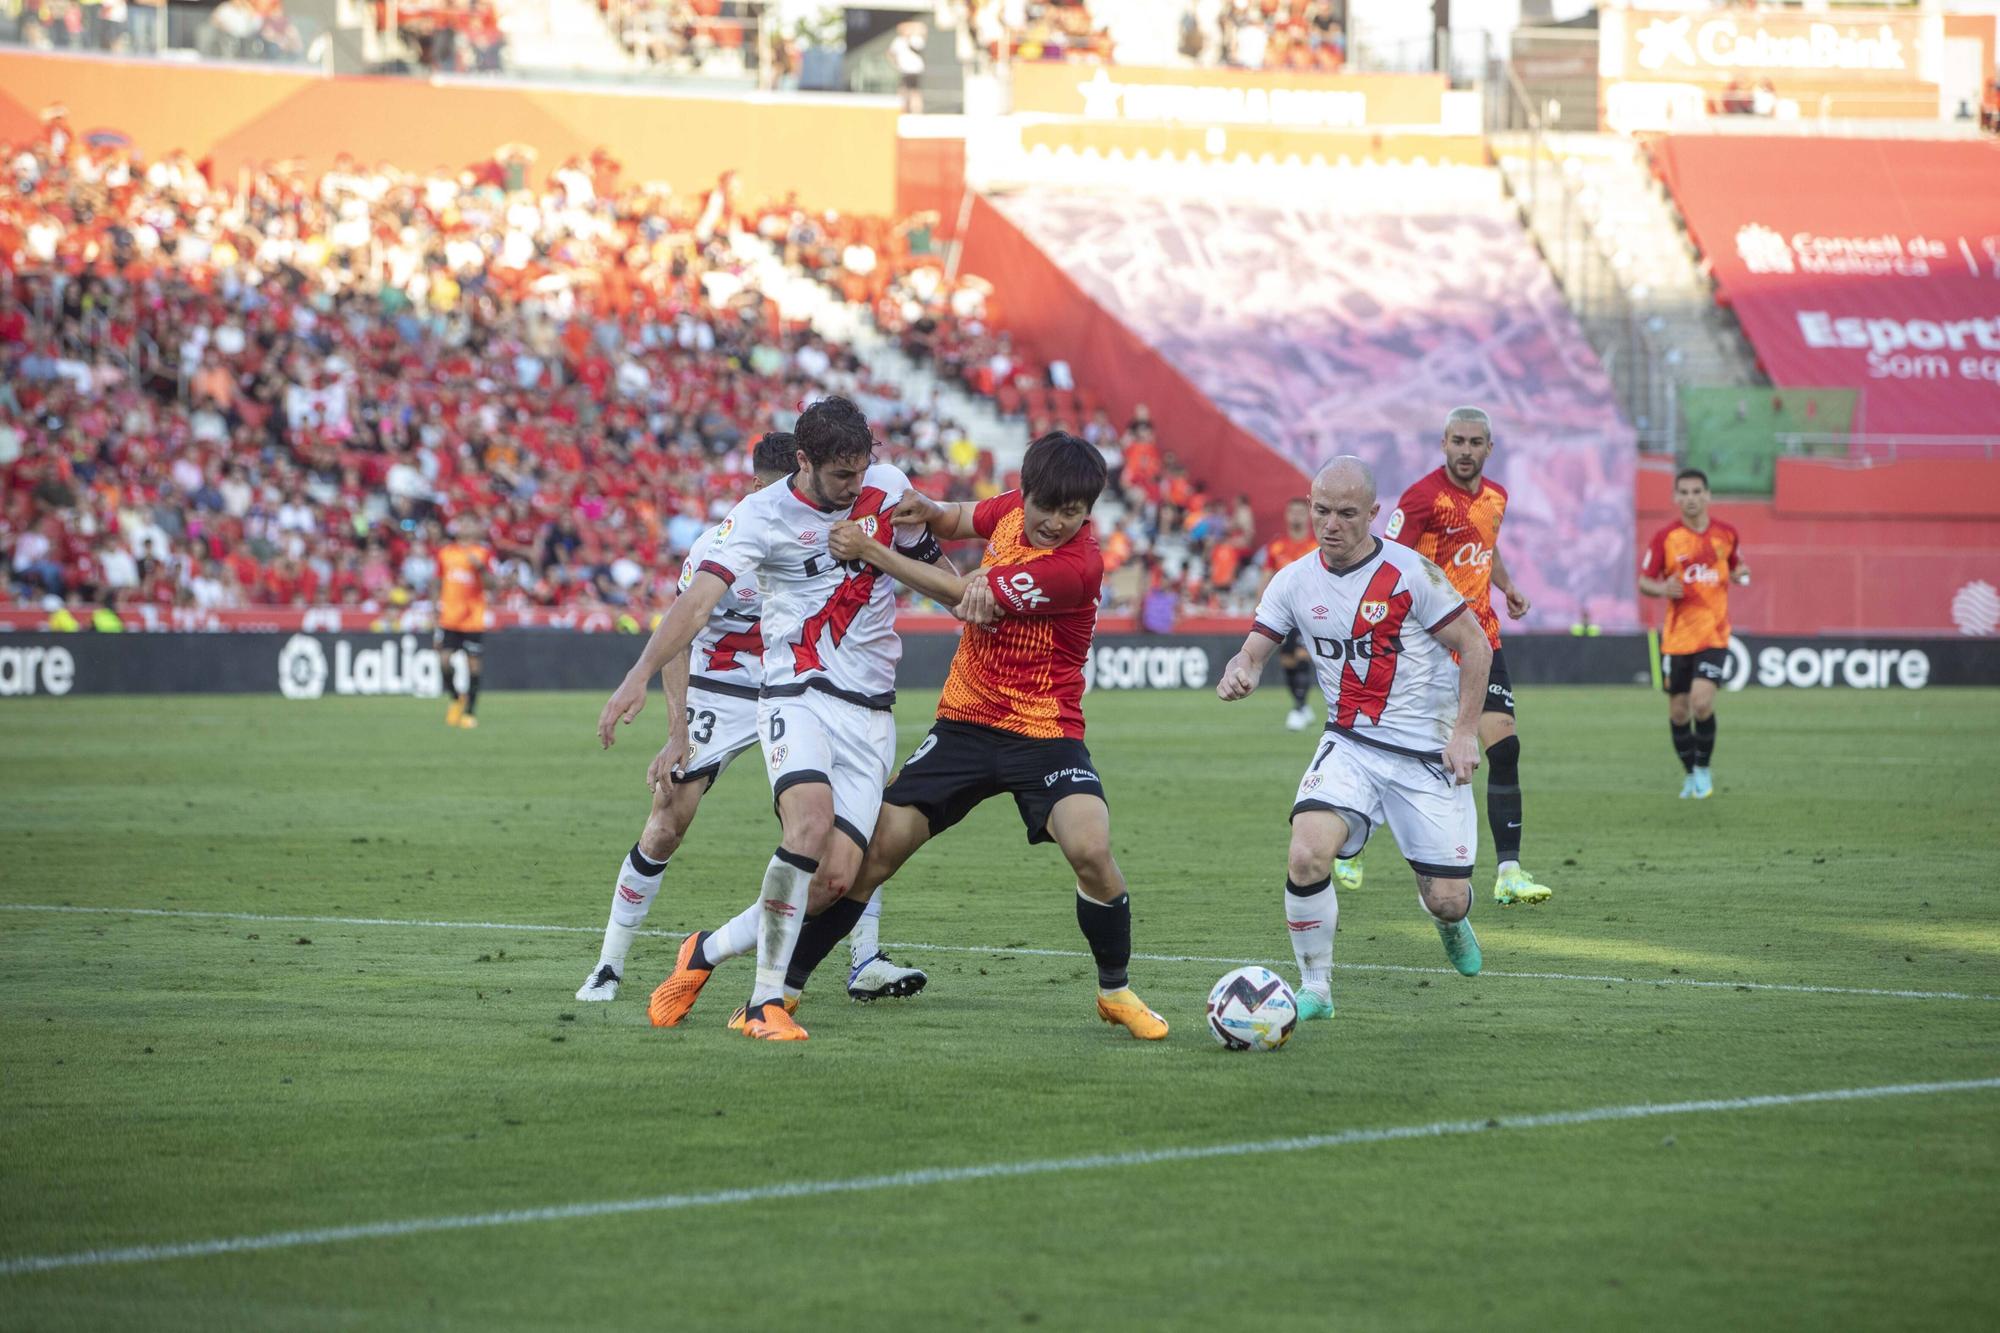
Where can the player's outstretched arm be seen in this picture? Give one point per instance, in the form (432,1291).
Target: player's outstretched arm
(846,541)
(947,522)
(1240,677)
(1467,641)
(674,684)
(671,639)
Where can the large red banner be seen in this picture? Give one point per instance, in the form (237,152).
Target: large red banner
(1864,264)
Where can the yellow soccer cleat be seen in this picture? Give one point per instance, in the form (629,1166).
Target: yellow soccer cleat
(740,1017)
(673,997)
(1514,886)
(1128,1011)
(455,714)
(468,722)
(774,1022)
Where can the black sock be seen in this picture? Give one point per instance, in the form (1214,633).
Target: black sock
(471,692)
(1704,739)
(1503,796)
(1108,927)
(1299,679)
(1683,743)
(817,938)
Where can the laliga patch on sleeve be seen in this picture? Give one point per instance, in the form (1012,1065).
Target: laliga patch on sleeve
(1395,528)
(722,531)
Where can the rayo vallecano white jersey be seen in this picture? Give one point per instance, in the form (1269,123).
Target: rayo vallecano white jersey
(1388,683)
(827,625)
(729,651)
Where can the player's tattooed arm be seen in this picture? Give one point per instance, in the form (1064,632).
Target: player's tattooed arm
(947,522)
(1463,636)
(846,541)
(1503,579)
(1240,677)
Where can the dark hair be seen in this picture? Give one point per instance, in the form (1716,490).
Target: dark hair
(1694,472)
(777,451)
(1060,469)
(830,428)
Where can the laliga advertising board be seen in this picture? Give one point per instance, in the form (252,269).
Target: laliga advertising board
(1853,263)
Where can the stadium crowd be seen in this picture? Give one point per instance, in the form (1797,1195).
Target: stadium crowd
(273,389)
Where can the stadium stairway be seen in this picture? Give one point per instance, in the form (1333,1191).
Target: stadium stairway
(1638,229)
(801,298)
(561,35)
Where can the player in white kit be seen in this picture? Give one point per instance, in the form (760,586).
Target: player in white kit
(830,655)
(712,701)
(1402,730)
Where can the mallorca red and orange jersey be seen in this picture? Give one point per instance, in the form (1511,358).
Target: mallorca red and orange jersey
(461,594)
(1025,674)
(1457,531)
(1282,551)
(1703,562)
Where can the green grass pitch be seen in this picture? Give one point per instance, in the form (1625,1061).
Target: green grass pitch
(176,1079)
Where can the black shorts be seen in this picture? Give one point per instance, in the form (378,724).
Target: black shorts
(1710,664)
(451,640)
(960,764)
(912,82)
(1499,686)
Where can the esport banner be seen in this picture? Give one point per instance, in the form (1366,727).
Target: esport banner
(1864,264)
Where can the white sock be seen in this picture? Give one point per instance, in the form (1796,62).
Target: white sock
(783,902)
(461,675)
(1310,919)
(735,937)
(631,899)
(865,940)
(1506,866)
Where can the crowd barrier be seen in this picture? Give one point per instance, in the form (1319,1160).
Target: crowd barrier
(313,666)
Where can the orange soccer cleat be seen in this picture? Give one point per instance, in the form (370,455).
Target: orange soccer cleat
(1128,1011)
(673,997)
(454,714)
(774,1022)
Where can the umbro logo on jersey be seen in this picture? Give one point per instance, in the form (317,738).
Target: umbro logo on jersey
(810,537)
(1319,613)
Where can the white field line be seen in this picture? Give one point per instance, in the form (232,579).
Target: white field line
(1605,980)
(953,1175)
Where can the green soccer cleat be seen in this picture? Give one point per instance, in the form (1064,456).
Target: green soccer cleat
(1347,874)
(1461,946)
(1516,886)
(1704,784)
(1313,1006)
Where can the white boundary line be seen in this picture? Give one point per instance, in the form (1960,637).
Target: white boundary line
(953,1175)
(1606,980)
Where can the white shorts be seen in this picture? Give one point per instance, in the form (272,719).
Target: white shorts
(720,727)
(1433,818)
(814,737)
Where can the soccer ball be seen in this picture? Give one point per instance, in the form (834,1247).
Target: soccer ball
(1252,1009)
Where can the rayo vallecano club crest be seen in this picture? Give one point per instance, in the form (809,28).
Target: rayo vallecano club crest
(1373,612)
(868,526)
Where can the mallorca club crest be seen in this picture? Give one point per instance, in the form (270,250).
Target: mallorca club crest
(1374,612)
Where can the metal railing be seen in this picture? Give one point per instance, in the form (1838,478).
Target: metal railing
(1873,447)
(1561,227)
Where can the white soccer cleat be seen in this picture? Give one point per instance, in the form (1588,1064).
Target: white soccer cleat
(1298,719)
(601,984)
(880,979)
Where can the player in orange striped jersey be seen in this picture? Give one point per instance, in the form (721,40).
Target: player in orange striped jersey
(1691,563)
(1010,720)
(1452,517)
(1297,543)
(464,572)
